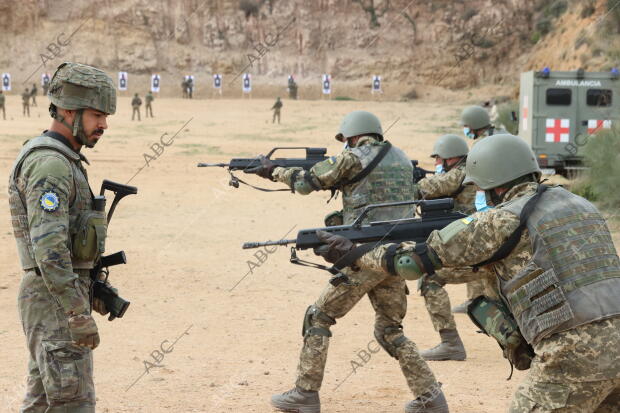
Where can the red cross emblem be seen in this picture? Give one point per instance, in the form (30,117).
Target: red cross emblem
(557,130)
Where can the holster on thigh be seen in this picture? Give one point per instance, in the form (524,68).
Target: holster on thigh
(495,320)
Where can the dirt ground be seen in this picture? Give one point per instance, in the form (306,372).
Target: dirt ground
(235,317)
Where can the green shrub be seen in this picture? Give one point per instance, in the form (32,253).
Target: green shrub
(557,8)
(602,156)
(343,98)
(535,37)
(544,26)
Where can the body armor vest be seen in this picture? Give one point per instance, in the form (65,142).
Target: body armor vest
(573,277)
(389,181)
(80,199)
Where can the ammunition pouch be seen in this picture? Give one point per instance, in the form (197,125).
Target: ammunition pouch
(88,236)
(495,320)
(309,328)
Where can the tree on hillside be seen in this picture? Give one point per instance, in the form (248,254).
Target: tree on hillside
(373,10)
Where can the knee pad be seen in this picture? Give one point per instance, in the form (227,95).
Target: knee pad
(314,313)
(390,346)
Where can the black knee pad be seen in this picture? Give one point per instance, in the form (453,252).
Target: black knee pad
(390,347)
(313,313)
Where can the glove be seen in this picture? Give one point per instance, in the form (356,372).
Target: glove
(99,304)
(84,330)
(265,170)
(336,248)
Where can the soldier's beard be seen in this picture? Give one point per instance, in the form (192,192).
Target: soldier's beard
(93,138)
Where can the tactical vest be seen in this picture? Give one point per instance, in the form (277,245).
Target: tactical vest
(80,199)
(389,181)
(573,277)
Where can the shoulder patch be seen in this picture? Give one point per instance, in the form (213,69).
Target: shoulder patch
(49,201)
(331,160)
(454,228)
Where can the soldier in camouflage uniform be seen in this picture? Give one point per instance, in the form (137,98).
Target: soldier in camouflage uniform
(450,153)
(390,180)
(2,100)
(477,126)
(33,94)
(276,110)
(26,102)
(59,237)
(149,98)
(557,271)
(136,102)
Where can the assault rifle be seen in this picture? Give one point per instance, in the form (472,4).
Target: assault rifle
(313,156)
(435,214)
(113,302)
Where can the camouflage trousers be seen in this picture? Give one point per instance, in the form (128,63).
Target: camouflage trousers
(576,371)
(148,110)
(135,111)
(276,114)
(475,289)
(388,296)
(60,374)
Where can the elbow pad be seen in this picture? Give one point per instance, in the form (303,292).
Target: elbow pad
(411,265)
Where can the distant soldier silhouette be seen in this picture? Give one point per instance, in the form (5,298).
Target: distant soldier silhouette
(276,110)
(136,102)
(148,108)
(2,99)
(26,102)
(33,94)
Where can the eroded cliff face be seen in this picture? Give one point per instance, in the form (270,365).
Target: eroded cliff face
(453,44)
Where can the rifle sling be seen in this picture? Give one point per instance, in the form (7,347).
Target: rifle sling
(349,258)
(514,238)
(234,178)
(370,167)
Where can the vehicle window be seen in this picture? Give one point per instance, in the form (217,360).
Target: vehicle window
(559,97)
(598,97)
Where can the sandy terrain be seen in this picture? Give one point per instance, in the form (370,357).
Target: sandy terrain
(183,235)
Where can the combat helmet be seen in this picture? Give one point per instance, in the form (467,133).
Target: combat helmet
(357,123)
(450,146)
(75,86)
(498,160)
(476,117)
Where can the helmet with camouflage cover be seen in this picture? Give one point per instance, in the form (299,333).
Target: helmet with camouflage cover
(450,146)
(498,160)
(358,123)
(75,86)
(475,117)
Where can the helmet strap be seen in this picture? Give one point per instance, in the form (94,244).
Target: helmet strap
(77,129)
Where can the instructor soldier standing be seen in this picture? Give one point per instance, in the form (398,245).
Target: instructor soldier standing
(369,171)
(59,237)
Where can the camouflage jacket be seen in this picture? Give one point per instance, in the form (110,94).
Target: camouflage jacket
(48,188)
(449,185)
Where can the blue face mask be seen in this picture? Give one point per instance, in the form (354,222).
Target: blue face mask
(468,133)
(481,201)
(439,169)
(345,146)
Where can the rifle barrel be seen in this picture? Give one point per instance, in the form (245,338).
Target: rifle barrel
(205,165)
(250,245)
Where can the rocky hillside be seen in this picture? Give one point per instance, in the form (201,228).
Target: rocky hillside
(449,43)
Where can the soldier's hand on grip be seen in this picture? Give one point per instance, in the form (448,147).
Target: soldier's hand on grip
(83,330)
(265,170)
(336,246)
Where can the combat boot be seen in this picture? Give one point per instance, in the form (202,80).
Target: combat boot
(461,308)
(450,348)
(431,402)
(297,400)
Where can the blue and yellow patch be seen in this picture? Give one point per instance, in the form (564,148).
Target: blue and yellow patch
(467,220)
(49,201)
(331,160)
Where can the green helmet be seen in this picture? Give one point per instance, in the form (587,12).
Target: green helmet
(359,123)
(476,117)
(499,159)
(76,86)
(450,146)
